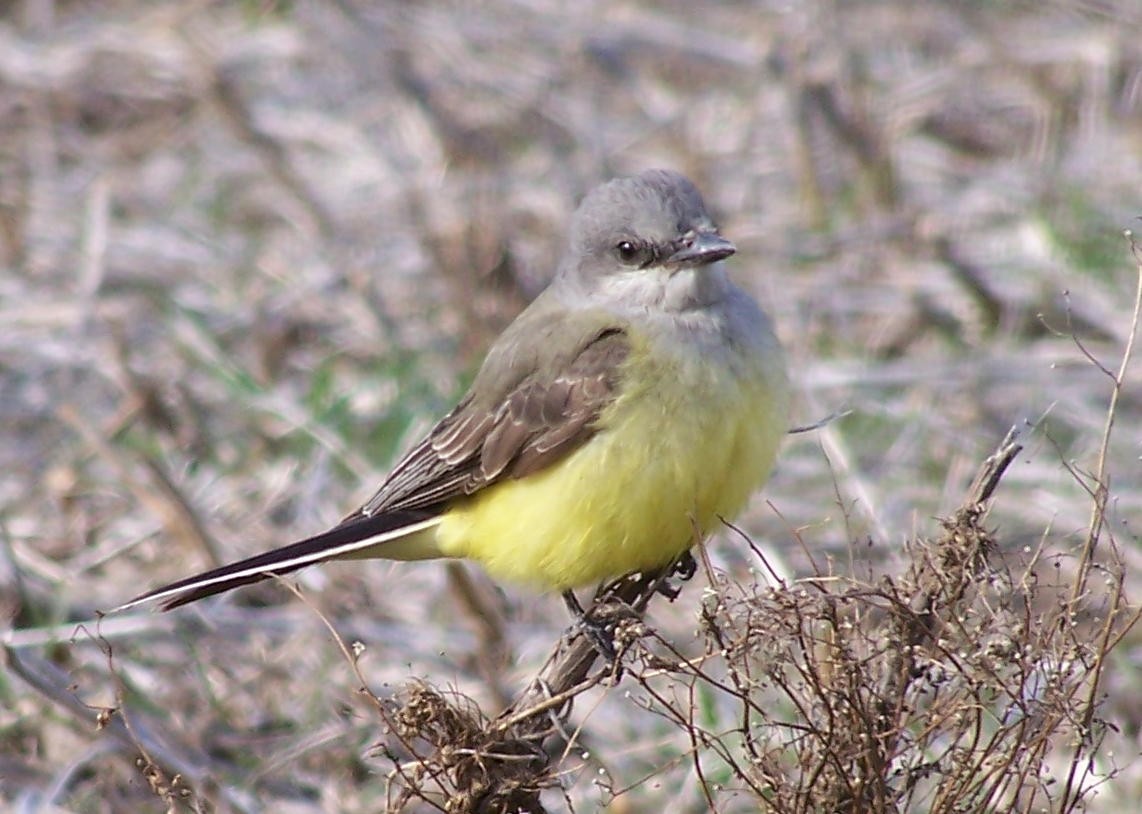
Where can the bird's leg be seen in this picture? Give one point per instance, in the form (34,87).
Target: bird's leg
(610,607)
(572,603)
(601,635)
(685,567)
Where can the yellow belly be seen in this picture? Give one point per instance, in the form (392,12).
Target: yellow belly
(685,444)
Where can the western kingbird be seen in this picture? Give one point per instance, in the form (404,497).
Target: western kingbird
(636,402)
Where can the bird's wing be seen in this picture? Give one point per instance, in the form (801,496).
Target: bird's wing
(546,411)
(534,405)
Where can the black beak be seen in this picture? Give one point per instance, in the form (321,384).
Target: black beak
(702,249)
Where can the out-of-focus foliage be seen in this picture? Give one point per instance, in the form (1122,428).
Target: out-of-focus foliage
(249,251)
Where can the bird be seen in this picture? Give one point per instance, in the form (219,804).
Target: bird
(635,404)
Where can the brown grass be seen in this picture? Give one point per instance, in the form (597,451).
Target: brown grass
(248,251)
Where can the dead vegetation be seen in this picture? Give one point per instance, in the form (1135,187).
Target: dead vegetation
(248,250)
(963,684)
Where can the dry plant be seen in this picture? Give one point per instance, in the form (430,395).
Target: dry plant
(968,682)
(246,249)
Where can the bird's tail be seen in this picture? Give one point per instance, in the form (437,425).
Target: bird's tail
(392,535)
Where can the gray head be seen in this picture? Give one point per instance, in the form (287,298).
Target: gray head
(647,240)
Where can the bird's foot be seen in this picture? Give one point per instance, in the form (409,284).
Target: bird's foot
(684,568)
(600,623)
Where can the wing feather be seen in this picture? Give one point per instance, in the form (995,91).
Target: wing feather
(542,417)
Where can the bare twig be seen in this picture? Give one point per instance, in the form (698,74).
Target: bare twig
(1101,478)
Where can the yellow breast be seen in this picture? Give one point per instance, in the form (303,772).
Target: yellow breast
(686,442)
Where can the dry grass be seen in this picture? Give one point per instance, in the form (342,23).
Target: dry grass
(250,250)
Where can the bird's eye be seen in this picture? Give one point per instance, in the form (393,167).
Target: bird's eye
(628,252)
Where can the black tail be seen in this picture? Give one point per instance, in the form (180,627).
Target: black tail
(352,536)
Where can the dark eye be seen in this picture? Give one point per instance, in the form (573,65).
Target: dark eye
(628,252)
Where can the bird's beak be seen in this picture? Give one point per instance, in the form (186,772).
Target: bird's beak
(704,248)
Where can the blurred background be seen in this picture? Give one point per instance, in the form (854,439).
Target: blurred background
(249,251)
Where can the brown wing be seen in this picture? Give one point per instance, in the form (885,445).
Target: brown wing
(537,397)
(541,419)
